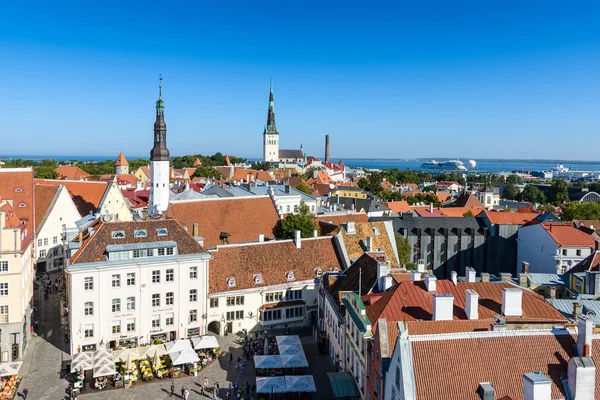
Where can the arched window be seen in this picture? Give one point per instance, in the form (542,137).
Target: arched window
(18,190)
(22,205)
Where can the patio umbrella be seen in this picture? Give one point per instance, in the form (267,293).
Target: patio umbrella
(149,351)
(82,360)
(184,357)
(129,363)
(300,383)
(287,340)
(205,342)
(294,361)
(126,354)
(156,361)
(104,370)
(271,384)
(267,362)
(291,349)
(178,345)
(10,368)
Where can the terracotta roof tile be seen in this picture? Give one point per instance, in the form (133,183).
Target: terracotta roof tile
(510,218)
(11,220)
(44,194)
(354,243)
(443,196)
(342,218)
(121,161)
(270,259)
(398,206)
(251,175)
(502,361)
(242,218)
(466,199)
(565,234)
(590,263)
(198,163)
(71,173)
(16,184)
(86,195)
(460,211)
(94,247)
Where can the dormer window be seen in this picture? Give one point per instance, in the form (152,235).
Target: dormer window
(376,231)
(231,282)
(141,233)
(258,279)
(22,205)
(118,234)
(289,276)
(161,232)
(335,269)
(318,272)
(18,190)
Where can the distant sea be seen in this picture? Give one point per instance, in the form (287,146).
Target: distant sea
(483,165)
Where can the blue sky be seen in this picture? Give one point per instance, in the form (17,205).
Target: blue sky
(470,79)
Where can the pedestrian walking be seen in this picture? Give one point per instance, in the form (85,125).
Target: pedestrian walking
(172,389)
(235,387)
(230,358)
(25,393)
(182,392)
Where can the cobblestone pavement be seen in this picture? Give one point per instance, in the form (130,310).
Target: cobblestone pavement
(220,371)
(43,361)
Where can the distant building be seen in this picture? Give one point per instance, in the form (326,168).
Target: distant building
(159,162)
(121,165)
(67,172)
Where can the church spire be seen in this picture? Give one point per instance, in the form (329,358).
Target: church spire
(160,152)
(271,128)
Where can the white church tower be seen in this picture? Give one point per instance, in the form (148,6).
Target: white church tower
(270,134)
(159,161)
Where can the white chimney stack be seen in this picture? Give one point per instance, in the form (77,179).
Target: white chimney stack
(415,276)
(430,282)
(350,228)
(261,237)
(369,244)
(421,265)
(536,386)
(470,274)
(581,378)
(584,336)
(443,307)
(315,233)
(384,280)
(512,302)
(472,304)
(297,239)
(454,277)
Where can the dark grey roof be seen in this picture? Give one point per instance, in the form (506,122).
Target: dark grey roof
(369,205)
(409,223)
(217,191)
(291,154)
(547,217)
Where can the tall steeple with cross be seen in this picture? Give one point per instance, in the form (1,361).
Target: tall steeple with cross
(159,161)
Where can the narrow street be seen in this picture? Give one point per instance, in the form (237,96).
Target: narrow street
(43,361)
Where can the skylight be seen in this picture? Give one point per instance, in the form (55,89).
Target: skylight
(118,234)
(162,232)
(141,233)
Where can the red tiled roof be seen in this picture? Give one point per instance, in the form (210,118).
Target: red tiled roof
(468,200)
(443,196)
(398,206)
(16,184)
(272,260)
(502,361)
(137,198)
(339,219)
(71,173)
(510,218)
(590,263)
(44,194)
(565,234)
(322,179)
(428,212)
(197,162)
(460,211)
(121,161)
(251,175)
(86,195)
(10,218)
(242,218)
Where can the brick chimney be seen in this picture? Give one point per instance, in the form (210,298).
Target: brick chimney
(472,304)
(577,308)
(443,307)
(485,277)
(512,302)
(536,386)
(523,279)
(524,267)
(195,229)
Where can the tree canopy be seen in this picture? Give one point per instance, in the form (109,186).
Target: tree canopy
(207,172)
(303,187)
(558,192)
(532,194)
(510,192)
(576,210)
(303,221)
(404,249)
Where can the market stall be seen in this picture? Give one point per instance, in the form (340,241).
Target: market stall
(300,383)
(182,356)
(9,381)
(287,340)
(267,362)
(207,347)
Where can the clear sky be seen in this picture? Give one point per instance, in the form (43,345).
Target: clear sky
(398,79)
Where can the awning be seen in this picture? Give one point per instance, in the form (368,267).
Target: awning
(294,361)
(102,357)
(300,383)
(343,385)
(82,360)
(126,354)
(184,357)
(287,340)
(271,384)
(205,342)
(290,349)
(149,351)
(178,345)
(10,368)
(104,370)
(267,362)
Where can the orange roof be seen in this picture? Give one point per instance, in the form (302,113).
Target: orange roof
(412,193)
(71,173)
(460,211)
(16,184)
(398,206)
(44,194)
(565,234)
(443,196)
(10,218)
(322,178)
(468,200)
(86,195)
(227,161)
(128,178)
(121,161)
(510,218)
(251,175)
(197,163)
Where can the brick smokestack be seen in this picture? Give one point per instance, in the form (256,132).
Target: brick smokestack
(326,148)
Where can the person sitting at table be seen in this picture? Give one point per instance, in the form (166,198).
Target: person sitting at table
(119,376)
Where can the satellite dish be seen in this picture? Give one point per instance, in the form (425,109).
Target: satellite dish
(472,163)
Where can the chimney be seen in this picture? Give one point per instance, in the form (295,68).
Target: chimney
(350,228)
(287,189)
(415,275)
(421,265)
(80,237)
(581,378)
(486,391)
(431,208)
(597,242)
(369,244)
(454,277)
(472,304)
(505,276)
(524,267)
(315,174)
(536,386)
(326,148)
(430,281)
(315,233)
(384,280)
(523,281)
(485,277)
(584,336)
(261,237)
(195,229)
(577,308)
(443,307)
(297,239)
(512,302)
(552,292)
(470,274)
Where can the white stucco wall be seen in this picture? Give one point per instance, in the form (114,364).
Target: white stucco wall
(271,148)
(159,191)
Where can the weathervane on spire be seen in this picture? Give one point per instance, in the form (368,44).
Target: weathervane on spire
(159,85)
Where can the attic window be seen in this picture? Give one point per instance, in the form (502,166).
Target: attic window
(376,231)
(118,234)
(335,269)
(161,232)
(18,190)
(258,279)
(22,205)
(231,282)
(139,233)
(289,276)
(318,272)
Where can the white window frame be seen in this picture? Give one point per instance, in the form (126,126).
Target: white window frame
(193,295)
(131,303)
(115,278)
(193,272)
(170,275)
(88,283)
(87,307)
(4,266)
(115,306)
(4,289)
(156,276)
(156,300)
(131,279)
(169,298)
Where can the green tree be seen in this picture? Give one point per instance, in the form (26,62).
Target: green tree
(375,179)
(468,214)
(138,162)
(363,183)
(514,179)
(303,187)
(207,172)
(45,172)
(510,192)
(263,166)
(309,173)
(576,210)
(532,194)
(594,187)
(558,192)
(303,221)
(404,249)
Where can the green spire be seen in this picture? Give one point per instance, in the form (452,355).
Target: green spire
(160,104)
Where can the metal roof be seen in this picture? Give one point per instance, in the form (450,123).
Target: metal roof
(589,307)
(409,222)
(536,279)
(140,246)
(343,385)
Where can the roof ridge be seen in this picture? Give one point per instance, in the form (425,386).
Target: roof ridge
(269,242)
(78,253)
(261,196)
(491,334)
